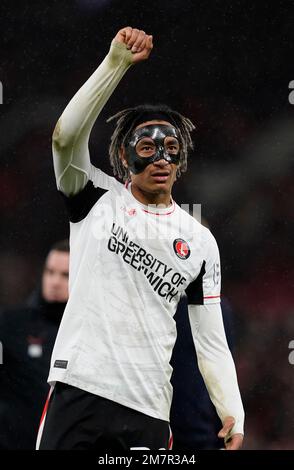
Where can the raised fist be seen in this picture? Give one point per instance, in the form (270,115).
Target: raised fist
(137,41)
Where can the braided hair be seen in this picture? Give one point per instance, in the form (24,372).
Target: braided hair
(128,119)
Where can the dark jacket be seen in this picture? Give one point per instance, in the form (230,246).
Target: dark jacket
(27,334)
(193,419)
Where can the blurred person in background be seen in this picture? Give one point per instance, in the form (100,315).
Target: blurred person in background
(27,334)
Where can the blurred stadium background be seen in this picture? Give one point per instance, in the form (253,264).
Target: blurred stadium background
(226,65)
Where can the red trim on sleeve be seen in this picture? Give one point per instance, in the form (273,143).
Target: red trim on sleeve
(212,297)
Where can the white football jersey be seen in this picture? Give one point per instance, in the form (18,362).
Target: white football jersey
(129,266)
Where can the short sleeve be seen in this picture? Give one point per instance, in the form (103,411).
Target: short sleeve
(205,289)
(79,205)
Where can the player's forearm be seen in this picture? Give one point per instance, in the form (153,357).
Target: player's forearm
(71,134)
(82,111)
(221,382)
(216,363)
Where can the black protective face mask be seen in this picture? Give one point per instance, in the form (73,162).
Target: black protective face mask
(157,132)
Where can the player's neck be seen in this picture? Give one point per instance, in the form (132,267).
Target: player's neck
(146,198)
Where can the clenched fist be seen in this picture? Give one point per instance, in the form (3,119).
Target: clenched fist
(137,41)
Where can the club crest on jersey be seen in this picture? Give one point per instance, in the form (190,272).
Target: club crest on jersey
(181,248)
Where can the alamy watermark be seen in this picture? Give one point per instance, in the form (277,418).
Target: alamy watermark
(1,353)
(1,93)
(291,355)
(158,226)
(291,94)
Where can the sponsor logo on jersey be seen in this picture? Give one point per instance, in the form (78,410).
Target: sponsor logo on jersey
(60,364)
(181,248)
(163,278)
(130,211)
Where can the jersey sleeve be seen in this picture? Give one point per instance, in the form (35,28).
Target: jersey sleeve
(205,289)
(79,205)
(216,363)
(213,355)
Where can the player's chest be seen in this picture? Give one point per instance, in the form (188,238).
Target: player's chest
(153,244)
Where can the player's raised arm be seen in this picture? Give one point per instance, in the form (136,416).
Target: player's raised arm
(72,131)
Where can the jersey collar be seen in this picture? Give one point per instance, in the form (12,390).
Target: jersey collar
(151,209)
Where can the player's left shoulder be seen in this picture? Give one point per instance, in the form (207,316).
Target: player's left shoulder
(206,240)
(196,231)
(208,236)
(210,247)
(187,221)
